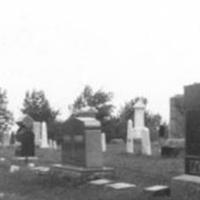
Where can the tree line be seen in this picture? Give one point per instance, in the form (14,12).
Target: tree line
(36,105)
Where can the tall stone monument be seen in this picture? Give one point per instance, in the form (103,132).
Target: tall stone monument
(37,129)
(44,136)
(103,142)
(187,185)
(140,131)
(177,117)
(129,140)
(81,151)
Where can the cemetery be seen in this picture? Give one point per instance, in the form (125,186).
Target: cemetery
(83,165)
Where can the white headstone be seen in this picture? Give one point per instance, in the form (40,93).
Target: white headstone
(140,131)
(14,168)
(44,142)
(103,142)
(37,130)
(139,109)
(146,143)
(129,139)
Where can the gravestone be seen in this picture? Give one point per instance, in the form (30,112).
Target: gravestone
(82,142)
(37,129)
(44,136)
(81,148)
(140,132)
(129,140)
(103,142)
(187,186)
(177,116)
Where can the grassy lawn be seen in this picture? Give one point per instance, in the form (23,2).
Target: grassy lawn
(142,171)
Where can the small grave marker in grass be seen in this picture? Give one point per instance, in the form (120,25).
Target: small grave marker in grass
(121,185)
(158,190)
(100,181)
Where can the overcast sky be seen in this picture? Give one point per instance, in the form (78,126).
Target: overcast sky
(129,47)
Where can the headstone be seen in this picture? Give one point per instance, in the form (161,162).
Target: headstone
(117,141)
(121,185)
(187,186)
(157,190)
(103,142)
(162,134)
(129,140)
(177,117)
(44,139)
(192,116)
(140,131)
(14,168)
(37,129)
(82,142)
(100,181)
(81,149)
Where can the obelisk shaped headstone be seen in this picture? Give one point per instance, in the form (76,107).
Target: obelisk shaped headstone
(140,131)
(103,142)
(44,142)
(129,140)
(37,129)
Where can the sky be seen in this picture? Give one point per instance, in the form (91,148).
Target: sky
(131,48)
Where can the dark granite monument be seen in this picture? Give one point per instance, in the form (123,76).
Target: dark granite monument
(82,142)
(187,185)
(192,107)
(81,151)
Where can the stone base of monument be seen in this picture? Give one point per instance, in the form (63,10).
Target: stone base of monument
(82,173)
(185,187)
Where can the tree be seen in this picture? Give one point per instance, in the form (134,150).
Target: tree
(6,117)
(153,121)
(37,106)
(99,100)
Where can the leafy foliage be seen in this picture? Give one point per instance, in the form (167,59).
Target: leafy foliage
(37,106)
(153,121)
(99,100)
(6,117)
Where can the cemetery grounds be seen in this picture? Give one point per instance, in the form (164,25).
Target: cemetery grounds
(143,171)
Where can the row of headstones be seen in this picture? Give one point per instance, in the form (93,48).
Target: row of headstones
(41,136)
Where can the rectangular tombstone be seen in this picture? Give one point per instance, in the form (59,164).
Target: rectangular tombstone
(192,126)
(82,142)
(37,128)
(177,116)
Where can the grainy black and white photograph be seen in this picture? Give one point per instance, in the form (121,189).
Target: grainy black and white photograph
(99,100)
